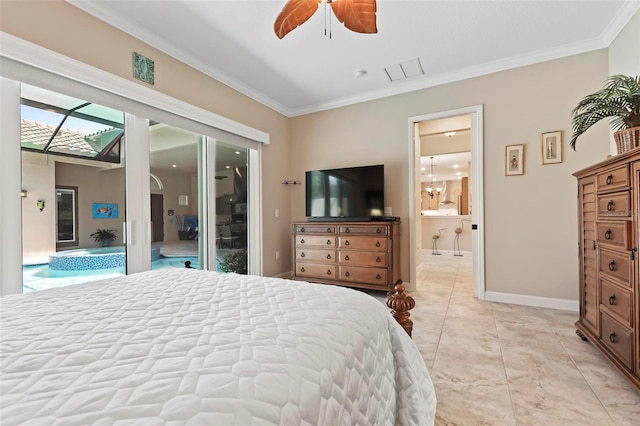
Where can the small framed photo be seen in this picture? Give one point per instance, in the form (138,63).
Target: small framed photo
(552,147)
(514,160)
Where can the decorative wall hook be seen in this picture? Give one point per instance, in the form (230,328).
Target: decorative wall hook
(40,204)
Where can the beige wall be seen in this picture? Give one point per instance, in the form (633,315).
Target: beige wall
(624,52)
(530,221)
(89,40)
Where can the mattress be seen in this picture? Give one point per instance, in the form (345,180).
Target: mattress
(193,347)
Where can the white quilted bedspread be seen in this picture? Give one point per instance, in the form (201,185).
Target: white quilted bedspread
(201,348)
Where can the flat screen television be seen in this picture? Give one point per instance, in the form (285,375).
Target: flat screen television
(353,193)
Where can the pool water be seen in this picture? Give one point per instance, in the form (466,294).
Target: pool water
(40,277)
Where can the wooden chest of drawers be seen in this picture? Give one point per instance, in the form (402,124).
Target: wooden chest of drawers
(609,205)
(352,254)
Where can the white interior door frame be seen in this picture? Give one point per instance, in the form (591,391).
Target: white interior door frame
(137,194)
(477,193)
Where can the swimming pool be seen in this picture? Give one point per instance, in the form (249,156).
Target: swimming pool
(93,258)
(41,277)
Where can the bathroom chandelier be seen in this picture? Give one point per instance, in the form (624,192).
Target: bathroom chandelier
(430,189)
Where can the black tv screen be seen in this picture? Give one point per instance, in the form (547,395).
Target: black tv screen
(354,193)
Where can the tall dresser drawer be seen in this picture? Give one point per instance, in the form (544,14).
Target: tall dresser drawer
(315,270)
(614,264)
(315,241)
(363,230)
(616,205)
(363,275)
(617,338)
(327,256)
(363,258)
(617,300)
(613,179)
(617,234)
(362,243)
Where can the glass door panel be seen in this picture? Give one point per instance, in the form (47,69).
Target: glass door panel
(174,177)
(73,190)
(232,198)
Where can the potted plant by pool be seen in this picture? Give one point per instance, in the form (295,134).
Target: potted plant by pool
(104,236)
(618,100)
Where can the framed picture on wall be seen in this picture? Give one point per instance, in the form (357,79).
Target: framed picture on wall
(104,211)
(514,160)
(551,147)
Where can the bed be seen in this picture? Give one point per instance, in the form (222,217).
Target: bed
(185,346)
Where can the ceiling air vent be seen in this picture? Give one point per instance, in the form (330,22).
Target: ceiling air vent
(407,69)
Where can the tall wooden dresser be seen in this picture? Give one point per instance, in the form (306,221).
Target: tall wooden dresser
(608,208)
(352,254)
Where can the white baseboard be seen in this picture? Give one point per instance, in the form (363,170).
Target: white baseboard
(446,252)
(540,302)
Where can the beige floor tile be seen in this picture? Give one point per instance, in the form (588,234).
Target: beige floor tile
(504,364)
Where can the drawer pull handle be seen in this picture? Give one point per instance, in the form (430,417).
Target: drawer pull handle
(610,205)
(346,257)
(302,229)
(612,299)
(328,242)
(612,265)
(347,230)
(612,337)
(378,260)
(329,230)
(377,243)
(302,241)
(328,271)
(378,276)
(607,234)
(346,243)
(302,254)
(347,274)
(302,269)
(378,231)
(328,257)
(609,179)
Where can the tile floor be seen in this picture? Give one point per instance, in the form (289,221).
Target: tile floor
(501,364)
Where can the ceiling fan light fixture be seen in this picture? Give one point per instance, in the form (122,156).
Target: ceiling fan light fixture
(356,15)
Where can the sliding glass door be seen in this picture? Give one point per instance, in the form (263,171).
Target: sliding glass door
(91,175)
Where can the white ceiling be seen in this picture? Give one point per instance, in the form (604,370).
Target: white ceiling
(306,71)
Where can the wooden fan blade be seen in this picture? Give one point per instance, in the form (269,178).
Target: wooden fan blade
(356,15)
(294,14)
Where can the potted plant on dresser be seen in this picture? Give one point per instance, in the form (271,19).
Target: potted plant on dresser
(618,100)
(104,236)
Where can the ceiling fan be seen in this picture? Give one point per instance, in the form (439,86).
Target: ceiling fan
(357,15)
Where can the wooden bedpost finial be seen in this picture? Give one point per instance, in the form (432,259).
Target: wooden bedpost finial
(400,305)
